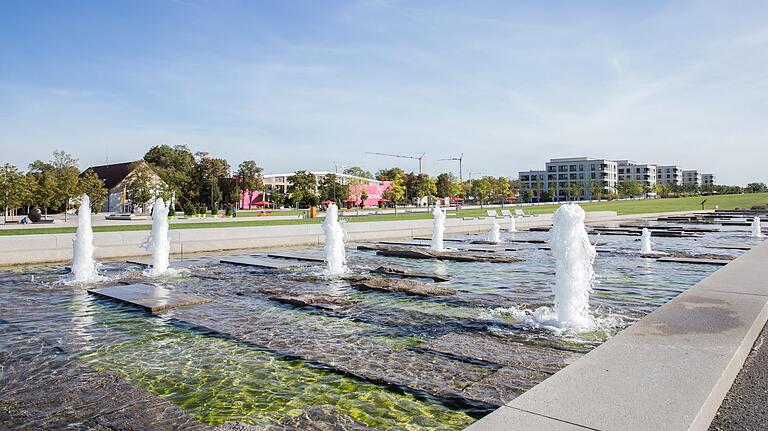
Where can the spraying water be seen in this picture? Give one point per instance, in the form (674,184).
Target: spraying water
(438,229)
(574,256)
(335,257)
(494,234)
(756,230)
(158,242)
(645,242)
(512,227)
(83,264)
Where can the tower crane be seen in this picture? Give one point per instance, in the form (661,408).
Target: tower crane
(419,158)
(460,158)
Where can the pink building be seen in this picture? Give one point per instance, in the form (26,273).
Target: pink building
(374,192)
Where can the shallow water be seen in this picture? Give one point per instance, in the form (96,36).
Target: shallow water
(387,360)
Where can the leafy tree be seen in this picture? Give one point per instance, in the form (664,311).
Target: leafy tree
(444,185)
(65,175)
(420,186)
(139,189)
(481,189)
(277,198)
(500,189)
(210,172)
(574,190)
(12,188)
(629,188)
(330,189)
(363,198)
(396,190)
(301,188)
(90,184)
(756,188)
(249,177)
(596,189)
(357,171)
(390,174)
(176,167)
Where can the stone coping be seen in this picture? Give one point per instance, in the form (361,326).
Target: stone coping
(670,370)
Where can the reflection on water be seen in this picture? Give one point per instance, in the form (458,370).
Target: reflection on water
(387,360)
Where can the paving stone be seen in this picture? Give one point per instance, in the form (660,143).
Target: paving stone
(149,297)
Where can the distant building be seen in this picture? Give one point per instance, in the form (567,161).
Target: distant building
(561,177)
(707,179)
(669,174)
(373,188)
(116,178)
(691,177)
(644,174)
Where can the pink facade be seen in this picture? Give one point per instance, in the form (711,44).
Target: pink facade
(374,192)
(248,196)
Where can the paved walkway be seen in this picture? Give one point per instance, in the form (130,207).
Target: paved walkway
(744,408)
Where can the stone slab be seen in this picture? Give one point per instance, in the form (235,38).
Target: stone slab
(444,239)
(670,370)
(306,257)
(693,260)
(147,262)
(263,262)
(149,297)
(729,247)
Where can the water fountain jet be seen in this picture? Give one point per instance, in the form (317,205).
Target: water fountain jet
(574,255)
(494,234)
(757,232)
(645,242)
(335,256)
(83,263)
(512,227)
(158,242)
(438,229)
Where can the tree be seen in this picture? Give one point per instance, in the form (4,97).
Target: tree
(500,189)
(209,174)
(756,188)
(90,184)
(481,188)
(396,190)
(330,189)
(176,167)
(444,185)
(249,177)
(629,188)
(357,171)
(12,184)
(139,186)
(363,198)
(301,188)
(65,175)
(277,198)
(596,189)
(419,186)
(574,190)
(390,174)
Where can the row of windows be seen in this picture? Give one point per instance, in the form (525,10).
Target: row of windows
(580,168)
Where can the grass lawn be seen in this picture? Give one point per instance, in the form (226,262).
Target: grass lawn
(724,202)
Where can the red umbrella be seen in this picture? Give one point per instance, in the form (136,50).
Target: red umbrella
(456,199)
(327,201)
(384,200)
(350,200)
(261,203)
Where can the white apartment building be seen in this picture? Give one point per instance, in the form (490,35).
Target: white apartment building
(560,175)
(280,181)
(707,179)
(644,174)
(669,174)
(691,176)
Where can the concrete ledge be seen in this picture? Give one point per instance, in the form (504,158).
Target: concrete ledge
(29,249)
(671,370)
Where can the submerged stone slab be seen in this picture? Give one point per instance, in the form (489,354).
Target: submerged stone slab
(530,241)
(444,239)
(316,300)
(729,247)
(42,388)
(147,262)
(149,297)
(694,260)
(497,350)
(305,257)
(420,253)
(394,285)
(322,419)
(262,262)
(401,271)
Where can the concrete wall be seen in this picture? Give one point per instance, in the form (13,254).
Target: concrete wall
(29,249)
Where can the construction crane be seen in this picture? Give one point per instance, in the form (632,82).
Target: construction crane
(402,157)
(461,156)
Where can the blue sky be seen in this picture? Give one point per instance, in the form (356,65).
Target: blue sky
(304,85)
